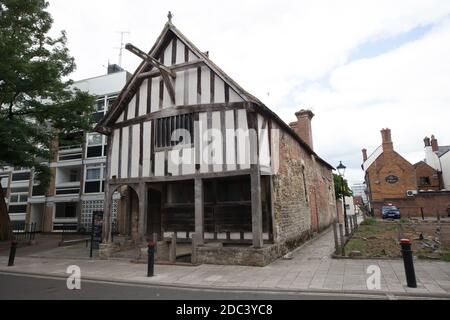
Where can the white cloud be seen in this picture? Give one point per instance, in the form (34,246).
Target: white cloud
(406,89)
(289,49)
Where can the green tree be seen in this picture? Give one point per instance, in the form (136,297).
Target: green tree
(37,102)
(341,187)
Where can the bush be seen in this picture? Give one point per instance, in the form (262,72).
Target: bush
(369,222)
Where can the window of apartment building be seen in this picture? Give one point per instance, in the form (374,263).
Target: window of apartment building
(102,104)
(110,101)
(424,181)
(74,175)
(20,176)
(96,146)
(18,195)
(17,208)
(99,109)
(94,181)
(166,126)
(37,191)
(65,210)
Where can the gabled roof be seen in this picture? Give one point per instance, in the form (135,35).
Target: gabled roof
(376,154)
(442,150)
(423,162)
(169,31)
(372,158)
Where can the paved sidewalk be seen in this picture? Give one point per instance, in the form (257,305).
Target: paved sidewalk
(311,269)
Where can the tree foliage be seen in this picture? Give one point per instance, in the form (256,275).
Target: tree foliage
(36,102)
(341,187)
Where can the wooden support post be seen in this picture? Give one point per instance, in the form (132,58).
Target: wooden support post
(173,248)
(142,228)
(194,248)
(199,210)
(336,239)
(355,217)
(341,234)
(107,220)
(350,223)
(255,178)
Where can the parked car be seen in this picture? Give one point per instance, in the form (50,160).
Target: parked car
(390,211)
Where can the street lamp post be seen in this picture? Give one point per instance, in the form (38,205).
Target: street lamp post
(341,170)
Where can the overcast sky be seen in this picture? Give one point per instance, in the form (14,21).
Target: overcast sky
(359,65)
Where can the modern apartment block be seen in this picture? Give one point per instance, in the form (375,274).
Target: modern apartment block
(360,189)
(77,186)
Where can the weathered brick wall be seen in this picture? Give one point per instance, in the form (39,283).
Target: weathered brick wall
(298,214)
(391,163)
(432,204)
(326,203)
(424,170)
(292,216)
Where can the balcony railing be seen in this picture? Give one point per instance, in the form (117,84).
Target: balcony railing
(75,146)
(67,188)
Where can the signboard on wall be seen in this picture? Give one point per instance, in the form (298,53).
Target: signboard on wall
(97,228)
(391,179)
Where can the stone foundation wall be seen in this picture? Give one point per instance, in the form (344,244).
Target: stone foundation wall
(249,256)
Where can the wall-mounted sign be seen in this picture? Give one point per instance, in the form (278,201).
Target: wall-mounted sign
(97,228)
(391,179)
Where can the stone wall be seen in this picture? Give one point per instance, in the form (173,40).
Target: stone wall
(249,256)
(292,216)
(303,193)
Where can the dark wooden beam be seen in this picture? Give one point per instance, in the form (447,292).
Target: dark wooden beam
(141,54)
(175,68)
(210,175)
(168,112)
(166,72)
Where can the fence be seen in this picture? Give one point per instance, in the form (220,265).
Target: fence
(420,212)
(21,231)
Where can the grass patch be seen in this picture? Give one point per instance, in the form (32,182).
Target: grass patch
(445,255)
(369,222)
(355,245)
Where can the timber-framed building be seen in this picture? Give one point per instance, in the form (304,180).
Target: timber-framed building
(191,152)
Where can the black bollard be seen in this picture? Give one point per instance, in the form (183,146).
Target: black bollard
(151,259)
(12,253)
(408,262)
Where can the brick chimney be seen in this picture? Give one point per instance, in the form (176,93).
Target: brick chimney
(387,140)
(427,142)
(434,144)
(364,153)
(303,126)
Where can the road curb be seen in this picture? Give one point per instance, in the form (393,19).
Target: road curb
(240,289)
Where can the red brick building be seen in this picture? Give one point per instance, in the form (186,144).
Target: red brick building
(391,179)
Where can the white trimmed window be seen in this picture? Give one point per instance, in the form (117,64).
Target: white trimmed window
(94,179)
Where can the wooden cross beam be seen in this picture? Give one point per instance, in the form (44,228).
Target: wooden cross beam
(166,73)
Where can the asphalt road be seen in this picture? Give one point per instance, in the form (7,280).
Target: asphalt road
(16,287)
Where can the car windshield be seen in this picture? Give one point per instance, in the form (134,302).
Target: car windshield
(388,208)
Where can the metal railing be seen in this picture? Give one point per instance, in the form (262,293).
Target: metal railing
(21,231)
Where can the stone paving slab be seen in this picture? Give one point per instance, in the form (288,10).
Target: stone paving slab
(311,269)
